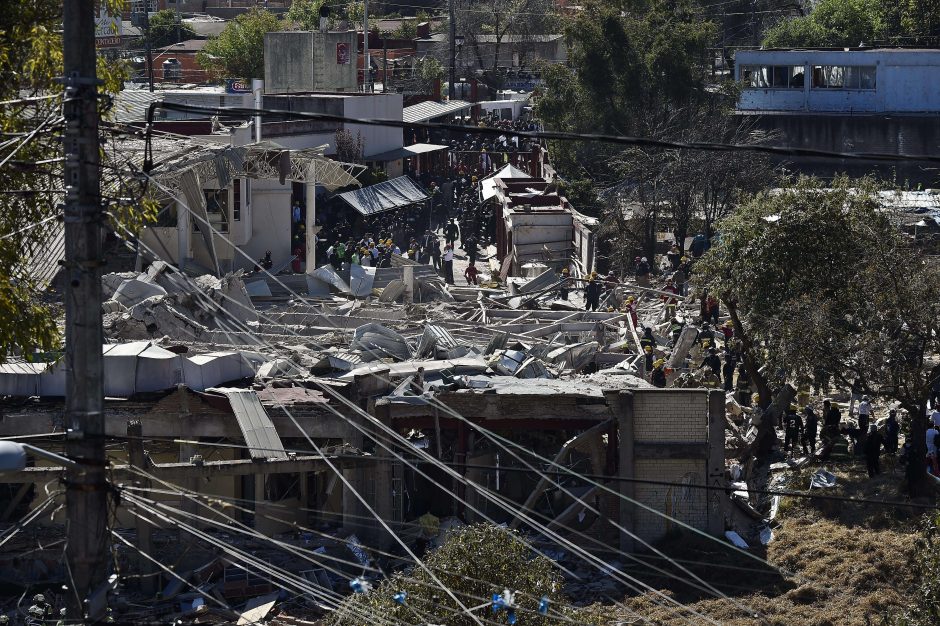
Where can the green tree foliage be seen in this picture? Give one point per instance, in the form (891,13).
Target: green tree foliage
(630,63)
(238,52)
(828,290)
(838,23)
(30,60)
(305,14)
(164,29)
(474,562)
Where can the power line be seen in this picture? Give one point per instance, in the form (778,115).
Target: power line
(624,140)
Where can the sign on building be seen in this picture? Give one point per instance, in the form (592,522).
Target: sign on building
(107,29)
(342,53)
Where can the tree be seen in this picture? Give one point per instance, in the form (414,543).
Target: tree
(31,181)
(164,28)
(836,23)
(474,562)
(826,289)
(348,148)
(305,14)
(831,23)
(238,52)
(490,27)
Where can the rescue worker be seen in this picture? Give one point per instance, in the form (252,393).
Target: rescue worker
(675,329)
(451,232)
(744,385)
(650,357)
(712,361)
(709,378)
(832,417)
(727,370)
(647,339)
(565,276)
(592,294)
(629,306)
(793,430)
(810,429)
(706,336)
(727,329)
(670,301)
(658,376)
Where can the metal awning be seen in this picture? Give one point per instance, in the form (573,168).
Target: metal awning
(257,428)
(424,111)
(407,152)
(392,194)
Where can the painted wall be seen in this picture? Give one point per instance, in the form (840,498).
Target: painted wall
(905,82)
(299,61)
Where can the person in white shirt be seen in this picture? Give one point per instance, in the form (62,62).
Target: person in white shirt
(864,414)
(935,418)
(449,264)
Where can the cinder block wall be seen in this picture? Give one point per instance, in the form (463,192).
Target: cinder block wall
(668,435)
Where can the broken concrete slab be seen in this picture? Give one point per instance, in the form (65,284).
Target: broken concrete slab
(135,290)
(378,342)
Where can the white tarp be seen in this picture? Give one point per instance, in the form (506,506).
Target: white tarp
(392,194)
(488,184)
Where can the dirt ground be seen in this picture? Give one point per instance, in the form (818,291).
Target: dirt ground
(837,563)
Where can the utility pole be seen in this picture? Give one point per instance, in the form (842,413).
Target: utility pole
(453,48)
(86,488)
(367,73)
(149,47)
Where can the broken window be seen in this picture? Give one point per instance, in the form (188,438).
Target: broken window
(279,487)
(217,209)
(167,217)
(844,77)
(772,76)
(237,200)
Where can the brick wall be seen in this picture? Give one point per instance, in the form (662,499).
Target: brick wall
(685,504)
(675,415)
(670,437)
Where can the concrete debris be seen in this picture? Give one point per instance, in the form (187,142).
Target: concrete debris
(135,290)
(378,342)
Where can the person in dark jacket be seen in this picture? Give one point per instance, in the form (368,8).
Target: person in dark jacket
(793,430)
(872,449)
(712,361)
(592,295)
(658,377)
(727,370)
(647,339)
(892,428)
(810,427)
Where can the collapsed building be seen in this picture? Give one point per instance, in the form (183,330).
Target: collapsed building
(392,401)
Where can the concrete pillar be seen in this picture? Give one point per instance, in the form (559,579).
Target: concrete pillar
(621,404)
(310,188)
(718,506)
(408,277)
(184,231)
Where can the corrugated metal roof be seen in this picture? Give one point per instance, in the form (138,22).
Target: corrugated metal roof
(257,428)
(44,259)
(424,111)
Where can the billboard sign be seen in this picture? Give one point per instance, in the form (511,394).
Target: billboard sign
(107,30)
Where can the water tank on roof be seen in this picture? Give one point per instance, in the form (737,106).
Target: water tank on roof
(172,70)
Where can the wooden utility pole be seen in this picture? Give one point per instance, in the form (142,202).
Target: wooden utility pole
(86,487)
(138,458)
(453,48)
